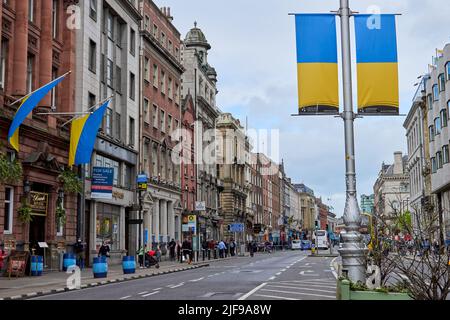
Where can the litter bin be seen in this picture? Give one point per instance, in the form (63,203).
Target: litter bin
(37,265)
(69,260)
(128,264)
(100,267)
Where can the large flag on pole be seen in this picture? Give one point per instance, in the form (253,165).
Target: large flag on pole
(377,63)
(83,135)
(29,102)
(318,89)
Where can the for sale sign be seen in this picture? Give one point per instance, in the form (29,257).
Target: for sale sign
(102,183)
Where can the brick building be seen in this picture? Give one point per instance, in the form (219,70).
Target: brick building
(36,47)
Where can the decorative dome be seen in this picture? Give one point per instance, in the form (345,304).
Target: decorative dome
(195,37)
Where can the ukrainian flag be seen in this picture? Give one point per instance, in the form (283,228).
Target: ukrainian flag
(317,67)
(377,63)
(26,107)
(83,135)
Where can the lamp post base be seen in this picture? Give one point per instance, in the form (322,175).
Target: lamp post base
(353,254)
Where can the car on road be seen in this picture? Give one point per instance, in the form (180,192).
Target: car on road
(296,245)
(306,245)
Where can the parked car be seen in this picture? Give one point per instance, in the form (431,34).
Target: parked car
(306,245)
(296,245)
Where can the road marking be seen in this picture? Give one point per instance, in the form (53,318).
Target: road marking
(308,271)
(149,294)
(332,268)
(211,275)
(245,296)
(126,297)
(272,278)
(237,294)
(157,289)
(274,297)
(278,273)
(207,295)
(172,286)
(310,289)
(287,267)
(283,270)
(301,293)
(141,293)
(195,280)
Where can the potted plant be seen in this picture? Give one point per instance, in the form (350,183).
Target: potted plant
(71,182)
(10,171)
(346,290)
(25,212)
(61,214)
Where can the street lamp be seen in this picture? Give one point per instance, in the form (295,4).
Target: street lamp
(26,187)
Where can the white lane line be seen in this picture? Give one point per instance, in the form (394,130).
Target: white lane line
(301,293)
(149,294)
(283,270)
(310,289)
(310,285)
(310,273)
(248,294)
(195,280)
(211,275)
(141,293)
(176,285)
(272,278)
(157,289)
(278,273)
(126,297)
(273,297)
(332,268)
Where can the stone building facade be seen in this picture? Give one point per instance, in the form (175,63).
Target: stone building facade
(36,47)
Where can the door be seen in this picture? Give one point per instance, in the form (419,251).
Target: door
(37,234)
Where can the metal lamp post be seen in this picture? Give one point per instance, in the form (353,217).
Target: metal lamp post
(352,251)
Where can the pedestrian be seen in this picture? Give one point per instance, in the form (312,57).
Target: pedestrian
(232,247)
(140,253)
(221,246)
(104,250)
(178,249)
(78,248)
(3,259)
(172,246)
(186,247)
(158,253)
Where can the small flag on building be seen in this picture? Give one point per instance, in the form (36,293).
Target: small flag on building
(317,68)
(28,103)
(377,64)
(83,134)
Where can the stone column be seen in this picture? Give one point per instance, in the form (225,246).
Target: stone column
(20,49)
(122,229)
(163,221)
(171,219)
(93,231)
(155,230)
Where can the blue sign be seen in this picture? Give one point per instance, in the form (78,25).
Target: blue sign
(142,178)
(237,227)
(146,236)
(102,183)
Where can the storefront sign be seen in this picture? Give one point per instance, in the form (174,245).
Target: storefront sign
(38,203)
(102,183)
(200,206)
(192,220)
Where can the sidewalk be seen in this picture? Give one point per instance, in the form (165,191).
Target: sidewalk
(54,282)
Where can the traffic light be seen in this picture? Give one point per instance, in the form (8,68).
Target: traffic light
(229,227)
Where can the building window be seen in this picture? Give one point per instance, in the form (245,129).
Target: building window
(162,121)
(9,212)
(176,93)
(146,111)
(439,159)
(163,39)
(131,131)
(132,86)
(109,26)
(155,116)
(169,123)
(54,90)
(433,165)
(117,125)
(31,9)
(169,89)
(92,56)
(93,9)
(30,67)
(92,100)
(132,42)
(108,225)
(435,92)
(118,80)
(447,70)
(55,20)
(437,126)
(155,31)
(147,22)
(4,59)
(163,82)
(109,120)
(431,132)
(170,47)
(147,69)
(441,81)
(430,102)
(444,118)
(155,75)
(109,73)
(445,154)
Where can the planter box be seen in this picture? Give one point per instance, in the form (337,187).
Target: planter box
(344,293)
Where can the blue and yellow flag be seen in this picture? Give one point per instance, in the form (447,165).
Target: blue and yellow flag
(317,67)
(83,135)
(377,63)
(26,107)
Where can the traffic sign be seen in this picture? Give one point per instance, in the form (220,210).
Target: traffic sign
(142,181)
(237,227)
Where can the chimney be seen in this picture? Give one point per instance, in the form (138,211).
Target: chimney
(169,16)
(398,162)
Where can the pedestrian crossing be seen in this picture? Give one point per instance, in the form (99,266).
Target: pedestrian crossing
(308,289)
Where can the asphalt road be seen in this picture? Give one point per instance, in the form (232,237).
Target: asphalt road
(288,275)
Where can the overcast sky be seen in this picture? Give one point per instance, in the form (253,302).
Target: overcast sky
(253,51)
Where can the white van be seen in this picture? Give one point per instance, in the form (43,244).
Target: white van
(296,245)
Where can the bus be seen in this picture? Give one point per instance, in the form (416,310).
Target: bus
(321,239)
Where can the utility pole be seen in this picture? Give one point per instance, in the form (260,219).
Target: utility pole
(352,251)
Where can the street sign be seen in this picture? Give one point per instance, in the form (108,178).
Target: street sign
(237,227)
(142,181)
(192,220)
(200,206)
(135,221)
(146,235)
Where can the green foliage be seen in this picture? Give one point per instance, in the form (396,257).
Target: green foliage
(71,183)
(10,172)
(397,288)
(404,222)
(25,212)
(60,213)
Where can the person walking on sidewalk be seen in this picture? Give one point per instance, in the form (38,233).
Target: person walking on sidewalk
(221,247)
(178,249)
(78,247)
(232,247)
(104,250)
(172,246)
(186,247)
(141,253)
